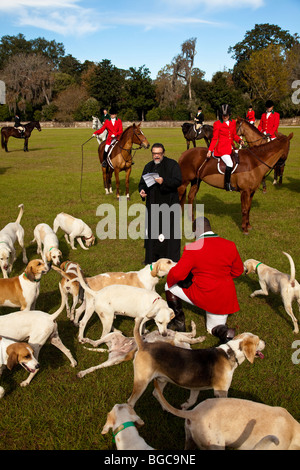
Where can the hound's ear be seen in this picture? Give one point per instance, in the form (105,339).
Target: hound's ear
(48,256)
(29,273)
(155,268)
(109,423)
(12,360)
(249,348)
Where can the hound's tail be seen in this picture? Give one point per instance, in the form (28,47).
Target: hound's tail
(21,207)
(83,283)
(266,442)
(58,312)
(180,413)
(293,270)
(62,273)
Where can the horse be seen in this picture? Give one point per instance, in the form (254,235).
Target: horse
(191,135)
(120,157)
(245,178)
(10,131)
(96,125)
(254,137)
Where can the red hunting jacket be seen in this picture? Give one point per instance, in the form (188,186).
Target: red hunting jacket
(113,129)
(269,125)
(223,139)
(250,116)
(214,262)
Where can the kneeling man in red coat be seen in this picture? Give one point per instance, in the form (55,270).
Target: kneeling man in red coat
(213,262)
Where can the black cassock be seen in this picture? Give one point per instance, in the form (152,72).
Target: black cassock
(162,234)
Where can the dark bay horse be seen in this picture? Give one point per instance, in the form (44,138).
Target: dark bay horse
(254,137)
(9,131)
(191,135)
(253,165)
(121,157)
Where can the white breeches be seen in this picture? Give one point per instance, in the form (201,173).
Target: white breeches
(212,319)
(227,160)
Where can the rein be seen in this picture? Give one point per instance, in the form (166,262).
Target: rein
(130,149)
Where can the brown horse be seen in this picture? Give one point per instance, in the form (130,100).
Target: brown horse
(246,177)
(121,157)
(9,131)
(191,135)
(254,137)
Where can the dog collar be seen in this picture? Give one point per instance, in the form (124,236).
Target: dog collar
(120,428)
(34,280)
(157,298)
(257,265)
(151,267)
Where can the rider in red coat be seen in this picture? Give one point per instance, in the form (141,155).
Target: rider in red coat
(222,143)
(214,262)
(250,116)
(269,121)
(114,127)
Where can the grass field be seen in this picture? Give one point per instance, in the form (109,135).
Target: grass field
(60,411)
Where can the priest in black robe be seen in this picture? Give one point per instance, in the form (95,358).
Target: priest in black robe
(163,217)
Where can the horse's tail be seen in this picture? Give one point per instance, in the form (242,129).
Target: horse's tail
(21,207)
(293,270)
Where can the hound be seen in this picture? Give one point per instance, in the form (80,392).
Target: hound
(146,278)
(122,419)
(47,244)
(122,348)
(22,291)
(124,300)
(195,369)
(36,327)
(253,426)
(74,228)
(68,271)
(8,236)
(13,353)
(277,282)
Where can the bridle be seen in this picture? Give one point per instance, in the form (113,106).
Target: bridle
(135,149)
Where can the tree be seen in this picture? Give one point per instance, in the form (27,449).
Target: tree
(183,64)
(71,66)
(105,83)
(140,91)
(267,74)
(14,45)
(28,78)
(258,38)
(68,102)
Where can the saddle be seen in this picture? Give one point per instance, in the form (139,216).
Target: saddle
(221,165)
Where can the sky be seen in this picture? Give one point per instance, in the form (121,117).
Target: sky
(133,33)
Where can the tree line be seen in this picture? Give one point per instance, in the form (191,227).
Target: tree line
(43,83)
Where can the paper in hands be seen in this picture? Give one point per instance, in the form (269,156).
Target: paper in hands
(149,178)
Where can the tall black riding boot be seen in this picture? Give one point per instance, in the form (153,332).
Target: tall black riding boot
(228,171)
(224,333)
(104,163)
(178,323)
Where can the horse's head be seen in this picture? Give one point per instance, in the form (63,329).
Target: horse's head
(37,126)
(138,137)
(95,122)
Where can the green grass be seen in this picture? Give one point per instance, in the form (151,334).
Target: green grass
(59,411)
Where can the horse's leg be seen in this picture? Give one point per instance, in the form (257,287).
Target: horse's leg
(104,175)
(117,182)
(246,200)
(191,197)
(194,143)
(264,184)
(109,177)
(128,171)
(182,193)
(26,144)
(187,144)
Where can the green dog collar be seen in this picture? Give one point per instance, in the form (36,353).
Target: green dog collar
(257,265)
(120,428)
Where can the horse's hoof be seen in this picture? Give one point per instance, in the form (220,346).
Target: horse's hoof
(245,233)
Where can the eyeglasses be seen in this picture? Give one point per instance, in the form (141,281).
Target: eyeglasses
(157,153)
